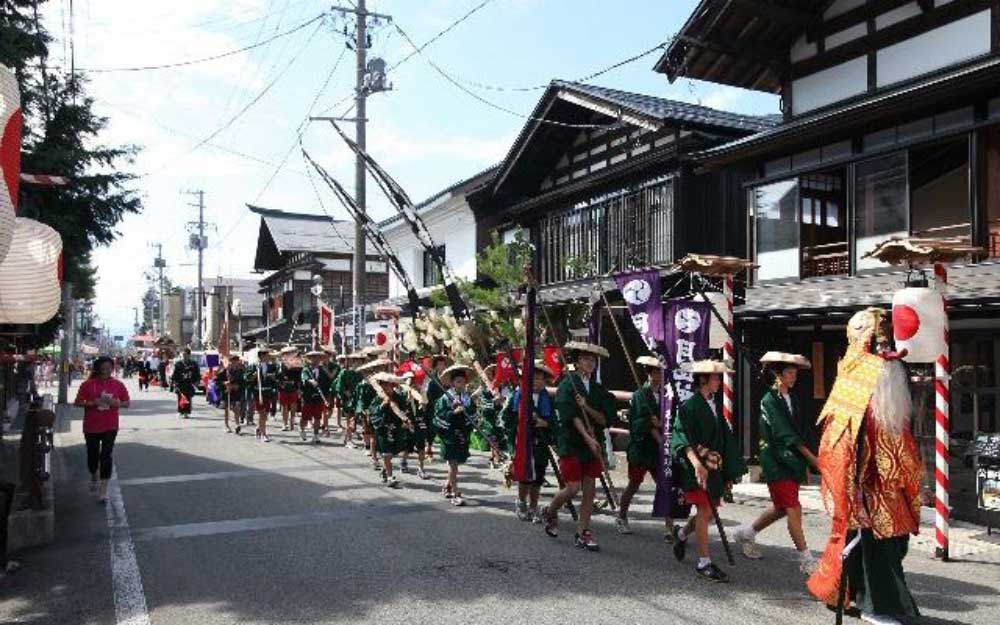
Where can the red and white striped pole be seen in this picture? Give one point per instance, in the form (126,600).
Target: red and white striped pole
(728,354)
(942,429)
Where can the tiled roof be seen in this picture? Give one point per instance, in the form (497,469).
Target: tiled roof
(301,232)
(966,284)
(663,109)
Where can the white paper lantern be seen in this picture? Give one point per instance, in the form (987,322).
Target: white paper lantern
(29,276)
(716,332)
(918,323)
(10,155)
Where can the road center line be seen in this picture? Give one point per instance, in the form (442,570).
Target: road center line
(126,581)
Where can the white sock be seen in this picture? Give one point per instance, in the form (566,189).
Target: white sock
(747,533)
(805,554)
(703,562)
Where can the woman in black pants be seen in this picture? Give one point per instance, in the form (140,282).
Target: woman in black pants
(101,396)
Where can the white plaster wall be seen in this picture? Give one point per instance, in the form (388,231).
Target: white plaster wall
(830,85)
(452,224)
(947,45)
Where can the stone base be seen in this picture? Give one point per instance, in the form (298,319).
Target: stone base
(31,528)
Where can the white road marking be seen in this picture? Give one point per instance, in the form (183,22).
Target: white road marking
(126,581)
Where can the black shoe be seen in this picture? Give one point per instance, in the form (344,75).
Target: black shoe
(712,573)
(851,611)
(680,546)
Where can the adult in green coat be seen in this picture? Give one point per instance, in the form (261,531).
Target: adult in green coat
(453,414)
(313,381)
(784,459)
(709,460)
(584,409)
(644,438)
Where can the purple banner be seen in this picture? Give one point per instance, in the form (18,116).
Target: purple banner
(685,339)
(641,291)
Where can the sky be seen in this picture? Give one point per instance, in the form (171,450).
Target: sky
(426,132)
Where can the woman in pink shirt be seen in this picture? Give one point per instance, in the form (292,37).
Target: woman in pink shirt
(101,396)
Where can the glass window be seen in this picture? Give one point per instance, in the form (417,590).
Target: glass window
(880,199)
(777,229)
(991,139)
(823,234)
(432,273)
(939,191)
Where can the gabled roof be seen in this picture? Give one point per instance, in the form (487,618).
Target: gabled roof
(743,43)
(464,187)
(567,107)
(282,233)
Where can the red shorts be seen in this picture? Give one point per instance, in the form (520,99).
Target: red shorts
(312,411)
(573,470)
(288,398)
(266,405)
(784,494)
(699,498)
(637,472)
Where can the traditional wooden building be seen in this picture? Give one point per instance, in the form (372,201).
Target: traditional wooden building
(891,127)
(293,247)
(601,180)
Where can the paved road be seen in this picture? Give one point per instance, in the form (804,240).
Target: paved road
(213,528)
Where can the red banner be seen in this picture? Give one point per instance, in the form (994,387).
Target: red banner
(325,325)
(506,371)
(551,358)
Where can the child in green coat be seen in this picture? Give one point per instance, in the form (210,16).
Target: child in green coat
(453,414)
(784,459)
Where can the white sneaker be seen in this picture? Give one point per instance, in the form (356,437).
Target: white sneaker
(536,516)
(878,619)
(748,544)
(807,563)
(521,511)
(622,526)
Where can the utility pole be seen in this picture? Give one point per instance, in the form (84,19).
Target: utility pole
(198,242)
(64,346)
(160,264)
(362,88)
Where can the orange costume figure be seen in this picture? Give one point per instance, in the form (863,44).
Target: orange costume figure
(871,473)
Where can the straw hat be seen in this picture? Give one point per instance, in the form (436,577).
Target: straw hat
(375,364)
(452,370)
(588,348)
(705,366)
(264,349)
(341,357)
(329,349)
(544,368)
(386,377)
(289,349)
(791,359)
(490,370)
(315,353)
(648,361)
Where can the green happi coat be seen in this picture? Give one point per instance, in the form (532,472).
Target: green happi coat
(332,371)
(489,416)
(569,441)
(697,424)
(780,458)
(435,389)
(363,396)
(453,428)
(314,381)
(642,447)
(344,388)
(386,424)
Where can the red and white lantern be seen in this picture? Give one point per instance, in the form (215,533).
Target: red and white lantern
(10,155)
(918,323)
(29,276)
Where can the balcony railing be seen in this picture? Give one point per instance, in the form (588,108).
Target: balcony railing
(633,229)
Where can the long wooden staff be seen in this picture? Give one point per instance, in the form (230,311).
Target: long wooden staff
(621,337)
(605,475)
(387,401)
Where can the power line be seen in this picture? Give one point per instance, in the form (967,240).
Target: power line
(243,110)
(215,57)
(298,135)
(494,105)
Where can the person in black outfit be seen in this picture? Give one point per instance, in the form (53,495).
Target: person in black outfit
(185,380)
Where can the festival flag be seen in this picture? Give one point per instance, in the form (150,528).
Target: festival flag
(506,370)
(685,331)
(325,326)
(550,355)
(524,466)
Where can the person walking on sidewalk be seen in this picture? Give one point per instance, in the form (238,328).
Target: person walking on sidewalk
(101,396)
(784,459)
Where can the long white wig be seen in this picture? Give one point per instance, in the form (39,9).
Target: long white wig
(891,402)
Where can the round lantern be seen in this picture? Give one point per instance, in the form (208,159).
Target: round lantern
(10,155)
(918,323)
(716,332)
(29,276)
